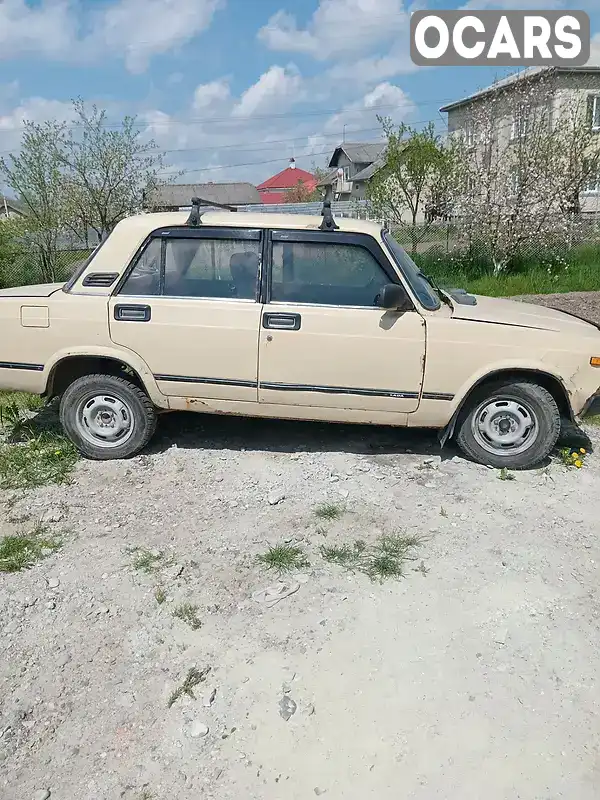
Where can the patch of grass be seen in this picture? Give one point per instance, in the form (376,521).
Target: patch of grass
(45,458)
(329,511)
(30,402)
(283,558)
(23,551)
(160,595)
(505,475)
(592,420)
(380,561)
(188,613)
(146,560)
(192,679)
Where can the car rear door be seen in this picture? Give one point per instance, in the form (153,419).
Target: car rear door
(189,307)
(323,340)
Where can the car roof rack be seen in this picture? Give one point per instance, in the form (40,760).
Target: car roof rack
(328,224)
(195,217)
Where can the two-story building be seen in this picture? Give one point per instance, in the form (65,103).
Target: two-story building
(352,165)
(502,112)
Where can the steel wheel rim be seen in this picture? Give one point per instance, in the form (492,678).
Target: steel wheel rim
(104,420)
(504,426)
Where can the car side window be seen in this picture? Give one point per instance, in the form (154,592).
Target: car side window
(212,268)
(328,273)
(144,279)
(197,267)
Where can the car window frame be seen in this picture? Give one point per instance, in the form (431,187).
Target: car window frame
(363,240)
(169,233)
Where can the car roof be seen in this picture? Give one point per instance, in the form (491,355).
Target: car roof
(244,219)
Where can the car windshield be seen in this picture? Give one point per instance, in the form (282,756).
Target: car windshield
(417,281)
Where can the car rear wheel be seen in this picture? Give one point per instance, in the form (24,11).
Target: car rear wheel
(510,425)
(107,417)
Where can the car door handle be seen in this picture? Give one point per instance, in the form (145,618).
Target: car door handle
(282,322)
(133,313)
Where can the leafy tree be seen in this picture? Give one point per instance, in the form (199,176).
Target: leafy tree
(108,172)
(410,188)
(36,176)
(11,250)
(521,168)
(301,193)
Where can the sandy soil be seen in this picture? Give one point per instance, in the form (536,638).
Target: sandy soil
(476,675)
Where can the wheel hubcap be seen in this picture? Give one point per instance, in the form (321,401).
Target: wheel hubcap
(504,426)
(104,420)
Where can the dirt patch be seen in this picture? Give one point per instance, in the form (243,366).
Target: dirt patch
(474,675)
(583,304)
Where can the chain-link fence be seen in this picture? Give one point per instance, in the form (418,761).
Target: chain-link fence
(25,266)
(440,246)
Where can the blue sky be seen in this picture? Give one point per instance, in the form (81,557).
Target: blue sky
(231,89)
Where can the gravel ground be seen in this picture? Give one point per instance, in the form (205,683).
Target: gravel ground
(475,675)
(583,304)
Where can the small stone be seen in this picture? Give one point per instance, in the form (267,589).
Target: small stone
(429,485)
(275,498)
(501,635)
(102,610)
(319,792)
(173,572)
(42,794)
(344,493)
(51,605)
(198,729)
(53,583)
(209,698)
(52,515)
(333,479)
(287,707)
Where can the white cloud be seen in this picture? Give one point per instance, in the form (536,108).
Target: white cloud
(337,28)
(209,96)
(135,30)
(374,69)
(33,109)
(520,5)
(385,100)
(141,29)
(47,29)
(277,88)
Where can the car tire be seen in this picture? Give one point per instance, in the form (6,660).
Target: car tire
(511,425)
(107,417)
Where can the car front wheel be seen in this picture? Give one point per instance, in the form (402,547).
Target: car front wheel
(107,417)
(510,425)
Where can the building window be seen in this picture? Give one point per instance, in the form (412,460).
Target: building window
(347,174)
(470,133)
(595,112)
(519,124)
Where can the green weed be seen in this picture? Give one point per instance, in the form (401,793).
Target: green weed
(192,679)
(188,613)
(45,458)
(383,559)
(283,558)
(23,551)
(329,511)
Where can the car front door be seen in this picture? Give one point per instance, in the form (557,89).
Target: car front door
(189,307)
(323,340)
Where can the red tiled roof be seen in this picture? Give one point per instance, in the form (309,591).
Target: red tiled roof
(288,179)
(270,198)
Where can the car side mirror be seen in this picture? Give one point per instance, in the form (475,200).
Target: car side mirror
(393,297)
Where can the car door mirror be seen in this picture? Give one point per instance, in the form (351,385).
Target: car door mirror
(393,297)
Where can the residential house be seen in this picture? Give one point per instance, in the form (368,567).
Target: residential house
(10,208)
(568,87)
(277,189)
(352,165)
(172,197)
